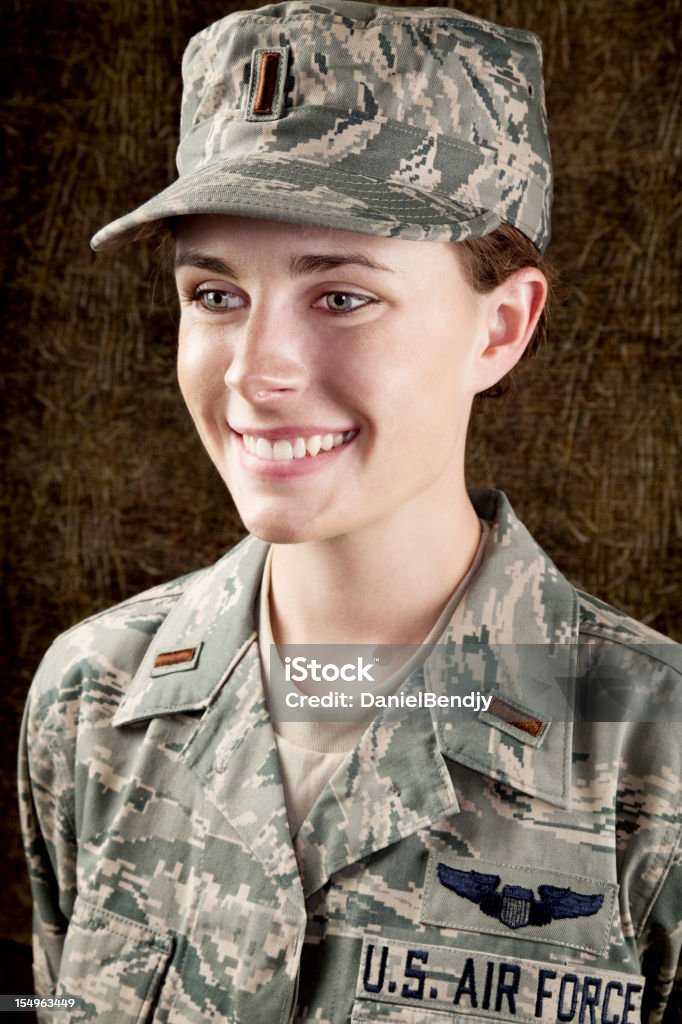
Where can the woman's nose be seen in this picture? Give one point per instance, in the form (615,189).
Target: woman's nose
(267,359)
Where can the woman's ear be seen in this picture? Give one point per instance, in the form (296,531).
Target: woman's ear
(512,311)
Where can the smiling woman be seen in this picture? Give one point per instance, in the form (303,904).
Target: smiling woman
(381,834)
(266,352)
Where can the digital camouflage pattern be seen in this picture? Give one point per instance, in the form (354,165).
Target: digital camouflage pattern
(420,123)
(448,871)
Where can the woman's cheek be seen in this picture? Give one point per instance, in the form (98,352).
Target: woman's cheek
(201,368)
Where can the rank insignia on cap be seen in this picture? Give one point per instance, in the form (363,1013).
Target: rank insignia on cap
(516,906)
(266,85)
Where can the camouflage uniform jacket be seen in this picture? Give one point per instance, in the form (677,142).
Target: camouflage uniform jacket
(497,871)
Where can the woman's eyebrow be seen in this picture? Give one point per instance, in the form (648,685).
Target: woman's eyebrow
(203,261)
(320,263)
(311,263)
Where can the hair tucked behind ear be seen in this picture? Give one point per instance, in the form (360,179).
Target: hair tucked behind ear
(488,261)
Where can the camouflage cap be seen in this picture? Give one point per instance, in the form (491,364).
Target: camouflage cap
(418,122)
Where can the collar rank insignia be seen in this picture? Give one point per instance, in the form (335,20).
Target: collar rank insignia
(515,906)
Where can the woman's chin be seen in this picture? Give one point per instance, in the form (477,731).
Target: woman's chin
(278,529)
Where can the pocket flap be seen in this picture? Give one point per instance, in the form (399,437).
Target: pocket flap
(111,966)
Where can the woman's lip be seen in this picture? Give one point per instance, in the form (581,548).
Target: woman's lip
(272,469)
(289,433)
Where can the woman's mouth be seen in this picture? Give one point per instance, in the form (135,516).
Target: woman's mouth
(287,449)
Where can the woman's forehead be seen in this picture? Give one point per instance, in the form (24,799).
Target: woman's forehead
(243,236)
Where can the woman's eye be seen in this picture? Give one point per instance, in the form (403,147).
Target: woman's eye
(217,300)
(344,302)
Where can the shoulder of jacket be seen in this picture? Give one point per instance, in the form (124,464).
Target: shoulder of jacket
(159,598)
(156,601)
(110,644)
(601,623)
(630,682)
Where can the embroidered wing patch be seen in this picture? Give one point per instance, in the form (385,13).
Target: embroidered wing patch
(515,906)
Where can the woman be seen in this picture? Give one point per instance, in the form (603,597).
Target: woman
(204,843)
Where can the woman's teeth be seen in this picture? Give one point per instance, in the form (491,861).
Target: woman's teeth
(296,448)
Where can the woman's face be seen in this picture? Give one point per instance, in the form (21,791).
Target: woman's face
(330,374)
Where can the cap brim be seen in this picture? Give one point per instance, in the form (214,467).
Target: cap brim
(276,188)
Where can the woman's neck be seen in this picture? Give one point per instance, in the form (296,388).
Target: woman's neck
(386,583)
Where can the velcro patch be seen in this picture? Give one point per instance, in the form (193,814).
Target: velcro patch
(494,987)
(531,903)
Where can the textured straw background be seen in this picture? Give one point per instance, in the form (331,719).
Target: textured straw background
(107,491)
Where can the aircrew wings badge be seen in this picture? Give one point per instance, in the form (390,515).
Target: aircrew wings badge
(515,906)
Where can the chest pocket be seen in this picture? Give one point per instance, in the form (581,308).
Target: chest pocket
(111,967)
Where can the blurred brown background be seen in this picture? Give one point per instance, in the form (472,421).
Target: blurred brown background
(107,491)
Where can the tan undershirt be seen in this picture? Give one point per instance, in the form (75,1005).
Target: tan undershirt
(309,752)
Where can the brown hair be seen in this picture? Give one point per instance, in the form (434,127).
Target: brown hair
(488,261)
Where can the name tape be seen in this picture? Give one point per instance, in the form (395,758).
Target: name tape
(497,987)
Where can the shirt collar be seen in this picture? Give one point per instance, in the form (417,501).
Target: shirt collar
(201,640)
(513,634)
(514,637)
